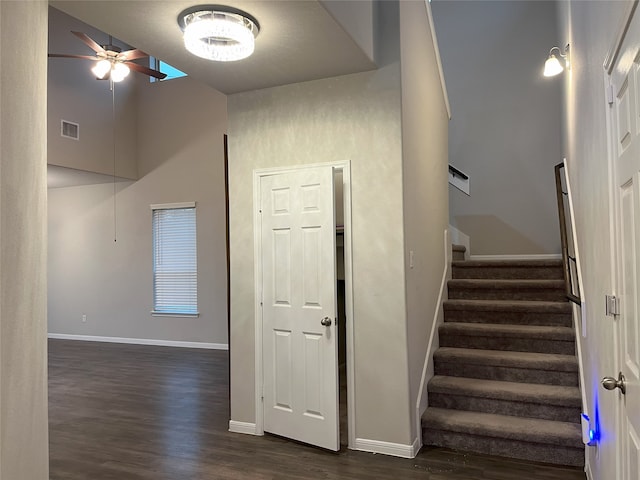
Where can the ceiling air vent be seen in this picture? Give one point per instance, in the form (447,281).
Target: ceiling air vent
(70,130)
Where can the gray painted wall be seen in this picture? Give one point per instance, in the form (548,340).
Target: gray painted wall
(505,131)
(24,449)
(356,118)
(426,211)
(180,131)
(591,28)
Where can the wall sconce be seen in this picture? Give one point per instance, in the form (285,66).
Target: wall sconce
(553,66)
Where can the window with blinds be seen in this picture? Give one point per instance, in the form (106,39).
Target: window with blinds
(175,266)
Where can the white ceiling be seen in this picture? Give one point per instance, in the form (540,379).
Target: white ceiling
(298,40)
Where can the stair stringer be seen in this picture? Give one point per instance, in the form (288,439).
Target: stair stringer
(438,319)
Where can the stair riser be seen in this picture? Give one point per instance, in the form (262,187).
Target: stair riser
(507,374)
(506,317)
(516,293)
(508,344)
(505,448)
(458,256)
(505,407)
(511,273)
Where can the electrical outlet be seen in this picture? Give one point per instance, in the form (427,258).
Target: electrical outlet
(84,318)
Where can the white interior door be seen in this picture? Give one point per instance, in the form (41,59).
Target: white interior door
(625,81)
(299,334)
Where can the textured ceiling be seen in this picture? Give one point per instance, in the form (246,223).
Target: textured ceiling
(298,40)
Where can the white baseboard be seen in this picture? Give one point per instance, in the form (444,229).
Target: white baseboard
(587,471)
(242,427)
(388,448)
(548,256)
(141,341)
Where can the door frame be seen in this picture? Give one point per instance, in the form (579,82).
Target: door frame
(345,166)
(614,257)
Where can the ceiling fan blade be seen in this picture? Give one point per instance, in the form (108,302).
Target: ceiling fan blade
(146,71)
(89,42)
(84,57)
(132,54)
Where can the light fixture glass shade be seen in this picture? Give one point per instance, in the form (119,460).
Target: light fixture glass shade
(119,72)
(101,68)
(219,35)
(552,66)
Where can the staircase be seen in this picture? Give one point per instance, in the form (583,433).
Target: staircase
(506,375)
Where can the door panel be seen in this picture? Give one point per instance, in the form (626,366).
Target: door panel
(282,371)
(281,255)
(299,289)
(626,84)
(632,466)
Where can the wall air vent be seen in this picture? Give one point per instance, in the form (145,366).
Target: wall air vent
(459,179)
(70,130)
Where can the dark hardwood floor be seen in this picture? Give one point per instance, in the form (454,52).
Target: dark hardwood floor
(131,412)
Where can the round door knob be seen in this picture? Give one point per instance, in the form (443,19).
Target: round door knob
(325,322)
(610,383)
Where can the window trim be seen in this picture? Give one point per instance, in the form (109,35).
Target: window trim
(173,206)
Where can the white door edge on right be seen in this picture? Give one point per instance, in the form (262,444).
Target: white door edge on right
(625,143)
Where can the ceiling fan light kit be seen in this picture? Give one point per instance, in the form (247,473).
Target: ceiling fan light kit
(119,71)
(218,33)
(111,62)
(101,68)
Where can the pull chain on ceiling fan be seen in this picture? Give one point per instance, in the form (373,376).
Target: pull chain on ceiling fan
(113,123)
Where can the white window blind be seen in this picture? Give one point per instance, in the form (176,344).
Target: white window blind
(175,266)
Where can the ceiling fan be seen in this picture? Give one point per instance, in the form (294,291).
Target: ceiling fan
(111,62)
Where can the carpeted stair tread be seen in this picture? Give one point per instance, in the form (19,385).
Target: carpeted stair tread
(506,263)
(511,391)
(506,289)
(508,331)
(529,430)
(507,337)
(504,283)
(508,269)
(513,312)
(500,358)
(508,305)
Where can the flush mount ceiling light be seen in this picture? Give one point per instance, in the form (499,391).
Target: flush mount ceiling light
(553,66)
(219,33)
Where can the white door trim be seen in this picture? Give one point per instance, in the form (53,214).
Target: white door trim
(345,166)
(613,254)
